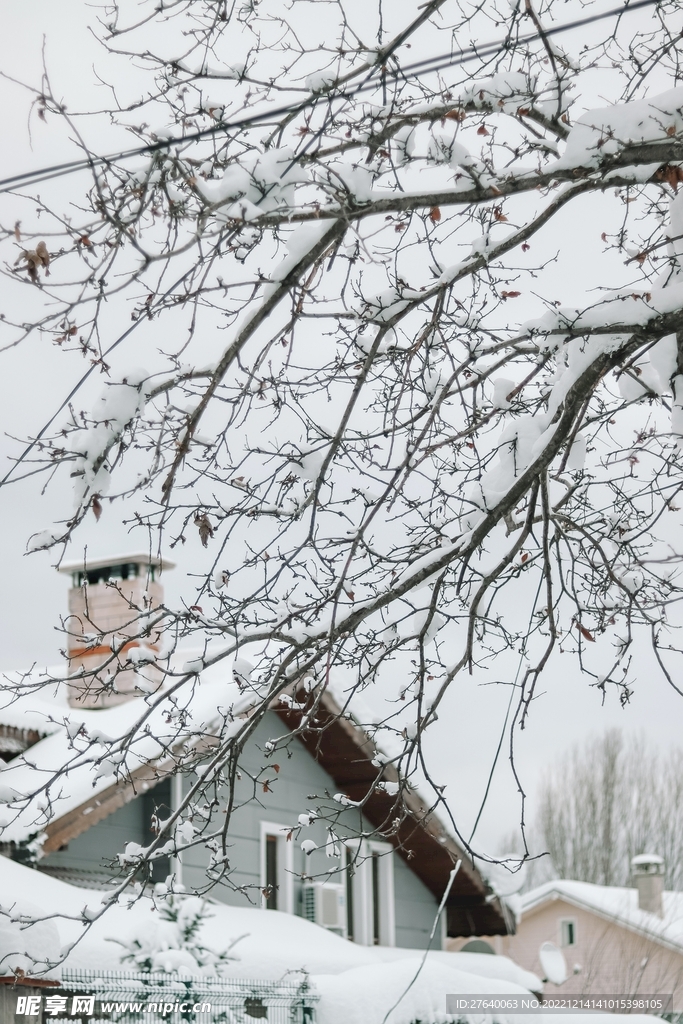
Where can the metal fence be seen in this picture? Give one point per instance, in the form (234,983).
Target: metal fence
(127,997)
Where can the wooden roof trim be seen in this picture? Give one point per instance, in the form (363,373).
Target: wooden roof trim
(28,980)
(420,837)
(78,820)
(419,810)
(75,822)
(15,739)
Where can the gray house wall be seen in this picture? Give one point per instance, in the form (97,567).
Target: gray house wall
(95,849)
(300,785)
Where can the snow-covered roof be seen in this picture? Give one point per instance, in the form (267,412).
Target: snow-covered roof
(36,711)
(612,903)
(82,740)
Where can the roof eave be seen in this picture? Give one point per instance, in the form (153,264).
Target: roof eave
(347,753)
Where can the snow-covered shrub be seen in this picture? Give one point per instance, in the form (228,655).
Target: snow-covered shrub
(174,943)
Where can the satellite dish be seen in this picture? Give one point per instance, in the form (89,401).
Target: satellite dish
(507,876)
(553,963)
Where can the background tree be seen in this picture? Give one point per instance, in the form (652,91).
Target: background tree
(342,352)
(608,800)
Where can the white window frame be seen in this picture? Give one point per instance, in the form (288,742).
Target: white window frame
(443,928)
(563,922)
(176,800)
(362,891)
(285,864)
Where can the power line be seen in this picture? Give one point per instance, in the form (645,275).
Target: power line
(473,51)
(427,66)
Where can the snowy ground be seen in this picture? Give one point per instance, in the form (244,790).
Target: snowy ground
(355,983)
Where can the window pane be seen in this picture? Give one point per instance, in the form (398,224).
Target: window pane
(568,933)
(349,895)
(271,872)
(156,807)
(375,899)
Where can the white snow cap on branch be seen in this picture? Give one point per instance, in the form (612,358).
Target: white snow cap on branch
(505,92)
(605,131)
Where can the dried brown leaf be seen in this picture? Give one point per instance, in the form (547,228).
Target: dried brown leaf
(585,633)
(43,255)
(203,524)
(672,174)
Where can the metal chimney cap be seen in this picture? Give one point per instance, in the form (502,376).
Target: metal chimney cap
(648,864)
(90,564)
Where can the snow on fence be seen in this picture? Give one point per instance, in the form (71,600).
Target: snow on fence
(128,997)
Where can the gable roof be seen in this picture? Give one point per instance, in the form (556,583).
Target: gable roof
(349,755)
(89,792)
(615,904)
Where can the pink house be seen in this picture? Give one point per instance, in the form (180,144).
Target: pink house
(615,941)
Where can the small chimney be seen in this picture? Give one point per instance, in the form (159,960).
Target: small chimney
(107,598)
(647,871)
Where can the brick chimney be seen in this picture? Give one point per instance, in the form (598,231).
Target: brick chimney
(106,599)
(647,871)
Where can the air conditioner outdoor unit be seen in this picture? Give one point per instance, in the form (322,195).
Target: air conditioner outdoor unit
(324,903)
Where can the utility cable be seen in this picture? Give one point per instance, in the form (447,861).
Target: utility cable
(223,127)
